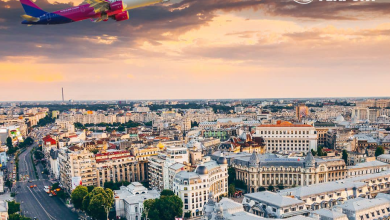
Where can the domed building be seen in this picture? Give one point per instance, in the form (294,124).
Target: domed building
(264,170)
(194,188)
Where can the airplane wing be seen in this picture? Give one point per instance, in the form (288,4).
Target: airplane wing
(98,5)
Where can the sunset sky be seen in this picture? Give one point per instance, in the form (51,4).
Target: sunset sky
(200,49)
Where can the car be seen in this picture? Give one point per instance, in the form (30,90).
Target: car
(29,181)
(31,186)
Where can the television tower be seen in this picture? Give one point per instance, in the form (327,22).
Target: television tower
(62,94)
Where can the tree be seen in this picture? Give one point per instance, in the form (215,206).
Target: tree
(345,157)
(158,209)
(232,175)
(167,192)
(271,188)
(313,152)
(188,214)
(261,188)
(379,151)
(78,195)
(17,217)
(280,186)
(90,188)
(147,206)
(232,189)
(13,207)
(194,124)
(9,142)
(98,202)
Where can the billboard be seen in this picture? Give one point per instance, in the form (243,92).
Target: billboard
(76,181)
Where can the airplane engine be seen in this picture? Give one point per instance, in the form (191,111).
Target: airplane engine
(117,6)
(122,16)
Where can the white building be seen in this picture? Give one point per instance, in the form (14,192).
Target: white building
(129,201)
(194,187)
(272,205)
(370,167)
(285,136)
(159,166)
(54,164)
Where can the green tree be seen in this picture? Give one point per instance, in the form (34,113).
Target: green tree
(232,175)
(188,214)
(379,151)
(271,188)
(194,124)
(147,206)
(167,192)
(98,202)
(313,152)
(158,210)
(9,142)
(97,207)
(90,188)
(13,207)
(261,188)
(17,217)
(345,156)
(78,195)
(231,189)
(280,186)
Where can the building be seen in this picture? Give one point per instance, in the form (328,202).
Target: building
(365,168)
(129,201)
(272,205)
(77,165)
(159,166)
(54,163)
(194,187)
(285,136)
(301,112)
(3,210)
(265,170)
(384,158)
(119,165)
(367,209)
(244,143)
(322,129)
(327,195)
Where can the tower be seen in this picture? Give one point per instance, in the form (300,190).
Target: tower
(62,94)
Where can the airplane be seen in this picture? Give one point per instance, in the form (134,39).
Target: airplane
(96,10)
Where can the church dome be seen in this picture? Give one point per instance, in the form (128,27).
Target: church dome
(340,118)
(160,145)
(202,170)
(222,160)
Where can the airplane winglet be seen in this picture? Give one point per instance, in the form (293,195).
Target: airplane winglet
(30,18)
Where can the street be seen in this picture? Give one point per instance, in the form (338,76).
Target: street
(35,202)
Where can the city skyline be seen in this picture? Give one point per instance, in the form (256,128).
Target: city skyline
(200,50)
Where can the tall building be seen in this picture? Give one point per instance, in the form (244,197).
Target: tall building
(285,136)
(194,187)
(301,112)
(159,166)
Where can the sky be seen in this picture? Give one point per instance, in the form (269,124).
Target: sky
(200,49)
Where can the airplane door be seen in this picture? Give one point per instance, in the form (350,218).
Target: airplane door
(48,16)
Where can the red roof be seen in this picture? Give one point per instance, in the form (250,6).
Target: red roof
(49,139)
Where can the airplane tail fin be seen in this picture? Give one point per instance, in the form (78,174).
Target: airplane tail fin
(32,9)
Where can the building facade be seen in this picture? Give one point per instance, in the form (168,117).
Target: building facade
(265,170)
(285,136)
(194,187)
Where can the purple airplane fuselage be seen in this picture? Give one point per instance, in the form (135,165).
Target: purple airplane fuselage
(116,10)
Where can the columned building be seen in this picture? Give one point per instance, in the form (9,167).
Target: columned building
(265,170)
(285,136)
(194,187)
